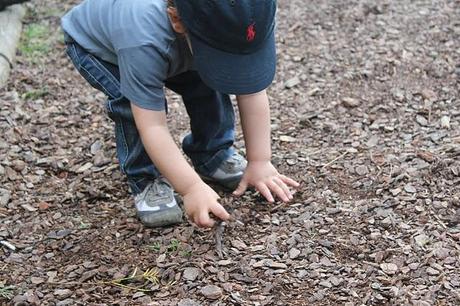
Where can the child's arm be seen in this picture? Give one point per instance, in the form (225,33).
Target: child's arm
(260,173)
(199,198)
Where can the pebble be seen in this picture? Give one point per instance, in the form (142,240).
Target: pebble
(43,205)
(294,253)
(313,258)
(161,258)
(361,170)
(410,189)
(302,274)
(432,271)
(350,102)
(62,293)
(313,92)
(276,265)
(95,147)
(36,280)
(421,120)
(326,284)
(226,262)
(421,240)
(29,207)
(389,268)
(5,196)
(286,138)
(191,274)
(445,122)
(326,262)
(292,82)
(373,141)
(335,281)
(18,165)
(211,292)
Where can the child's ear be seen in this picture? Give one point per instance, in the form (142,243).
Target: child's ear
(176,22)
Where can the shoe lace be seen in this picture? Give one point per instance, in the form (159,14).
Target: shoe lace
(235,159)
(234,162)
(158,188)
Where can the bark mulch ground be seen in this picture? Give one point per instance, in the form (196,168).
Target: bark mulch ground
(365,113)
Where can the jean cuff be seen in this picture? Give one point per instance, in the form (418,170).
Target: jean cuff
(138,184)
(210,166)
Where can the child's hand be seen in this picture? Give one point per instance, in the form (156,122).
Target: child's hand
(266,179)
(199,201)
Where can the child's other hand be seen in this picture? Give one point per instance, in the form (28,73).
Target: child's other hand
(266,179)
(199,201)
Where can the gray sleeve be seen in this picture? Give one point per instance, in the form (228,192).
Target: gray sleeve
(143,71)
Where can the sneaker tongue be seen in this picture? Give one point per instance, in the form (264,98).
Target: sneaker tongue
(234,159)
(159,188)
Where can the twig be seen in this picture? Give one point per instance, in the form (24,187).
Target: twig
(150,276)
(219,236)
(8,245)
(238,222)
(439,221)
(335,159)
(220,227)
(277,207)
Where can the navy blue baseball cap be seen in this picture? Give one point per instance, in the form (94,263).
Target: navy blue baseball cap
(233,42)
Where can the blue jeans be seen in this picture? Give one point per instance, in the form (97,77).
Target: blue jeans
(211,113)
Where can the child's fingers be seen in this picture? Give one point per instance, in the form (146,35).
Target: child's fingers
(203,220)
(284,186)
(220,212)
(242,187)
(265,191)
(278,191)
(289,181)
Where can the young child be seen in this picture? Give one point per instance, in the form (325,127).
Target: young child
(203,50)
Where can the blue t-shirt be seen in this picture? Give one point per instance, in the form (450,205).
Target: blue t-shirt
(137,36)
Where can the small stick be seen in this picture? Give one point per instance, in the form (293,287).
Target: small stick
(8,245)
(335,159)
(277,207)
(233,219)
(219,236)
(439,221)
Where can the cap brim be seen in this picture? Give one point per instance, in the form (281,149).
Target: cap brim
(232,73)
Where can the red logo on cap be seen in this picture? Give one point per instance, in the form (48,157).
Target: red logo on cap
(251,32)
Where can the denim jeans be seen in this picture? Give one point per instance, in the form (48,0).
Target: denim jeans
(211,113)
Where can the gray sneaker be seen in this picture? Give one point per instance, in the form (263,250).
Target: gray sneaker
(156,206)
(229,173)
